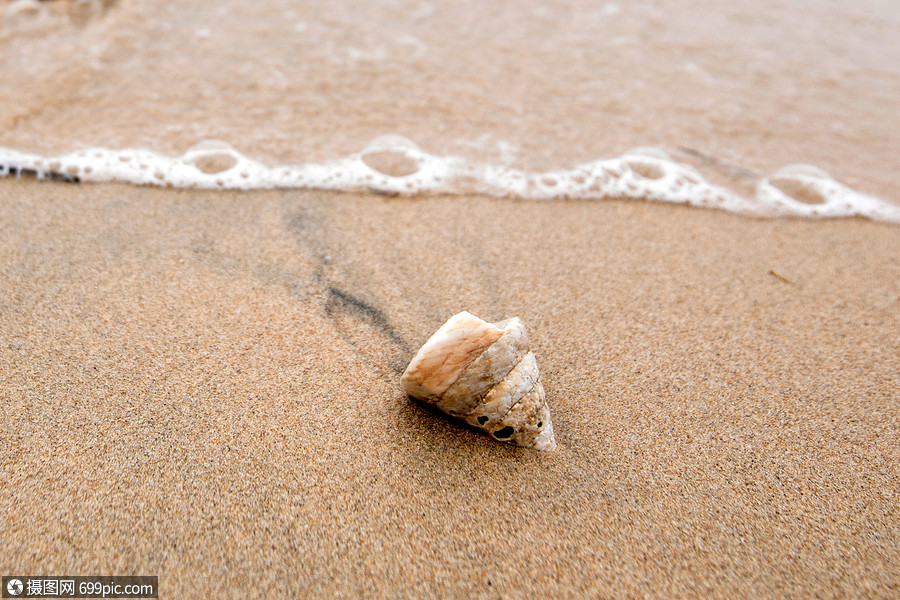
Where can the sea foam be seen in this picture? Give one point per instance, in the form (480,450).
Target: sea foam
(394,165)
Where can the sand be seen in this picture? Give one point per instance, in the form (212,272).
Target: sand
(737,89)
(204,386)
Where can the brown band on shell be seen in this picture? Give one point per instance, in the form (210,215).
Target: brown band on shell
(447,354)
(487,370)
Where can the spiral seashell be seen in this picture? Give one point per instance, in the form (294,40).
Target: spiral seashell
(485,374)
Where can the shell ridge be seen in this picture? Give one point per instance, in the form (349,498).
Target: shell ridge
(519,404)
(519,401)
(528,391)
(517,384)
(475,383)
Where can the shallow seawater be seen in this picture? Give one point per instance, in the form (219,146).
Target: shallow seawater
(755,107)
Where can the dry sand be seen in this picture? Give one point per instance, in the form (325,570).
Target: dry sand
(204,386)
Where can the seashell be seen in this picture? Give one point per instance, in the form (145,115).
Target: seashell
(485,374)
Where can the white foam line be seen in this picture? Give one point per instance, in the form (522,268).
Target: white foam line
(640,175)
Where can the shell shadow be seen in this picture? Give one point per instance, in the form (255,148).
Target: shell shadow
(357,320)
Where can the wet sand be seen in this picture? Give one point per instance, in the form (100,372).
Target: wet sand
(204,386)
(738,90)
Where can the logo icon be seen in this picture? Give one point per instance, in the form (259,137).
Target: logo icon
(14,587)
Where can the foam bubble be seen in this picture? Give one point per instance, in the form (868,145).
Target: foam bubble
(212,157)
(807,191)
(393,155)
(395,165)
